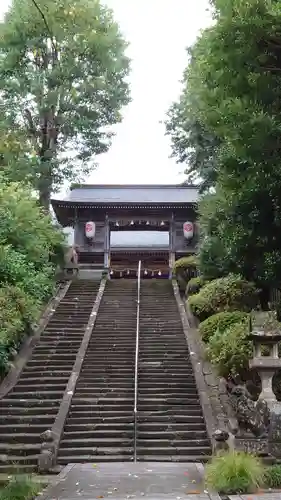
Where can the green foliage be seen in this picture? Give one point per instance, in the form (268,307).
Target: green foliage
(29,244)
(234,472)
(232,88)
(20,488)
(220,322)
(223,294)
(185,263)
(184,269)
(230,351)
(17,159)
(192,144)
(194,285)
(24,226)
(272,476)
(63,84)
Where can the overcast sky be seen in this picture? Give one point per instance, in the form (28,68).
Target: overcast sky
(158,32)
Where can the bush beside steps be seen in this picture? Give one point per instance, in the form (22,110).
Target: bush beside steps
(220,322)
(231,293)
(234,472)
(20,488)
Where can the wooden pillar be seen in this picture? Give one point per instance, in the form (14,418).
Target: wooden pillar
(75,228)
(106,243)
(171,245)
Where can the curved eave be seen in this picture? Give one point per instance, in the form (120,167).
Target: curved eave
(65,210)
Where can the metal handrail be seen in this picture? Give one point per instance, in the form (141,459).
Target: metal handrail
(137,365)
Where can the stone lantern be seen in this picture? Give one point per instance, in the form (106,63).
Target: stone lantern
(266,366)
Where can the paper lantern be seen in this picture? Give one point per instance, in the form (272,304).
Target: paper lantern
(188,230)
(90,229)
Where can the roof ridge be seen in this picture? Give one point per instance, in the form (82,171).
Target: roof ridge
(133,186)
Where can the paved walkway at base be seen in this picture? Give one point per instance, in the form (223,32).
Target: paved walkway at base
(260,496)
(140,481)
(121,481)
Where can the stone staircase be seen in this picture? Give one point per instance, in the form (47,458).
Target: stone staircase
(171,426)
(100,424)
(32,405)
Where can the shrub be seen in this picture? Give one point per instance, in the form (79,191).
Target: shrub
(25,227)
(220,322)
(184,269)
(194,285)
(189,262)
(272,476)
(20,488)
(231,350)
(18,311)
(224,294)
(30,245)
(234,472)
(15,268)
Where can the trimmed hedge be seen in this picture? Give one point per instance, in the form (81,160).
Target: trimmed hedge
(184,269)
(231,350)
(231,293)
(219,323)
(189,262)
(194,285)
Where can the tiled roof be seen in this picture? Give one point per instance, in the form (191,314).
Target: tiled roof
(172,194)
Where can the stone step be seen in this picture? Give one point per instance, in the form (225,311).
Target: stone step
(24,387)
(31,395)
(107,457)
(24,404)
(30,419)
(96,451)
(127,431)
(91,418)
(83,428)
(20,448)
(174,451)
(99,392)
(105,390)
(195,458)
(109,441)
(31,407)
(43,379)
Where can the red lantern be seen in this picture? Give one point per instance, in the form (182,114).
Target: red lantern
(90,229)
(188,230)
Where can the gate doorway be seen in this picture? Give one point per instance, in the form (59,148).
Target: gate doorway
(125,264)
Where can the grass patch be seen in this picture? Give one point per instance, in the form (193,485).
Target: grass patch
(272,476)
(234,472)
(20,488)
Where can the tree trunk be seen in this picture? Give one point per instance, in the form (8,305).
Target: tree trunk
(44,199)
(264,298)
(45,185)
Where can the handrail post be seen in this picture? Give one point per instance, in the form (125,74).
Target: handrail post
(137,364)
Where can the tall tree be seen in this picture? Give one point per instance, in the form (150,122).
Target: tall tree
(18,160)
(63,81)
(192,143)
(235,84)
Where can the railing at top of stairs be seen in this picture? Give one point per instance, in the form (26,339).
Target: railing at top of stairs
(137,364)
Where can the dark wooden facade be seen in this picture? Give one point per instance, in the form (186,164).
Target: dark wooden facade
(130,208)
